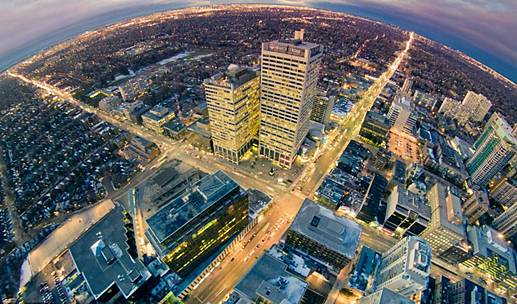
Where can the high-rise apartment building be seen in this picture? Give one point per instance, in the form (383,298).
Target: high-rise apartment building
(506,223)
(233,100)
(407,86)
(289,76)
(449,107)
(475,206)
(322,107)
(474,107)
(504,191)
(401,115)
(446,228)
(405,268)
(317,231)
(494,149)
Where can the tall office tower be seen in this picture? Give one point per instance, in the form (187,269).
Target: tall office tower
(289,75)
(449,107)
(505,191)
(405,267)
(474,107)
(446,229)
(507,221)
(233,100)
(494,149)
(475,206)
(385,296)
(322,107)
(318,232)
(401,116)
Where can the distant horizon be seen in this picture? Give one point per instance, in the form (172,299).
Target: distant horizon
(113,17)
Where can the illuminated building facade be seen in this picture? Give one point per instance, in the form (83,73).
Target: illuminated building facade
(506,223)
(494,149)
(493,256)
(375,127)
(322,107)
(475,206)
(405,267)
(504,191)
(446,228)
(233,108)
(193,225)
(289,76)
(474,107)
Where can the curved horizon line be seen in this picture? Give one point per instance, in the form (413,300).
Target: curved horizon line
(124,20)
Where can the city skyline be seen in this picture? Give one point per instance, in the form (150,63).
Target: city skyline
(478,28)
(247,154)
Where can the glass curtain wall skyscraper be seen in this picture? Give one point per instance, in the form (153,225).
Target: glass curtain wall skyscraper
(494,149)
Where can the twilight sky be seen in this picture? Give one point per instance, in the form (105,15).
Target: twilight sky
(484,29)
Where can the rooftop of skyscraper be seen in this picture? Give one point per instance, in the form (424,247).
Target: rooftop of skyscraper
(233,77)
(488,242)
(270,279)
(183,209)
(502,128)
(294,46)
(323,226)
(446,207)
(410,201)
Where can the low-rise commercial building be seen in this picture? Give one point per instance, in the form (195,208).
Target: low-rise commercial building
(407,213)
(375,127)
(156,117)
(269,281)
(102,256)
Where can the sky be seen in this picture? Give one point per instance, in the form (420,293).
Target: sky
(483,29)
